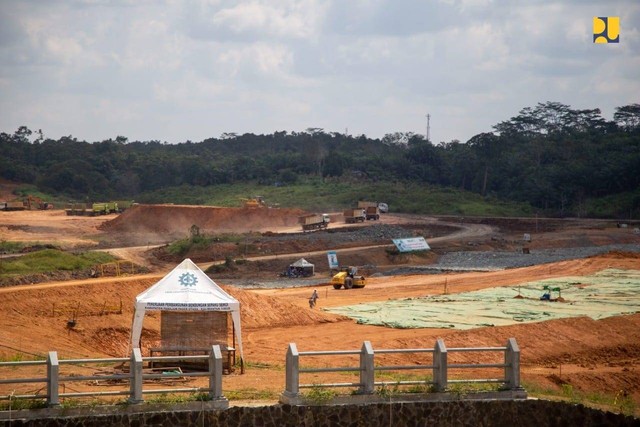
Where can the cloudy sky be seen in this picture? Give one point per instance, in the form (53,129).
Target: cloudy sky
(178,70)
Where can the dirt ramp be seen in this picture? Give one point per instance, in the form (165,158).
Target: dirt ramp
(262,311)
(178,219)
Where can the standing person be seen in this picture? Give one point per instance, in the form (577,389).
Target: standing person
(313,298)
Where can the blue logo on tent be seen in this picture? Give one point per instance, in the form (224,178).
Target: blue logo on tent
(188,279)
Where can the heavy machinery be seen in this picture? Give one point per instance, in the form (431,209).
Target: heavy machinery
(354,215)
(103,208)
(254,202)
(78,209)
(14,206)
(314,221)
(372,212)
(123,205)
(95,209)
(35,203)
(373,209)
(347,277)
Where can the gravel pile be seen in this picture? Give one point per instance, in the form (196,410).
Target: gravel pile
(357,234)
(489,261)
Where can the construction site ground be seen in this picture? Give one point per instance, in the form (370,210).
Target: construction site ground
(575,352)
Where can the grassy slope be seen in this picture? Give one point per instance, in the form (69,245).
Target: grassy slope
(50,260)
(316,195)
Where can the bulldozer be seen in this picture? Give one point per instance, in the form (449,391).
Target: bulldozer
(347,277)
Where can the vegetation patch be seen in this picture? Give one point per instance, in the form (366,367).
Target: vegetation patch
(10,247)
(51,260)
(317,194)
(621,402)
(228,265)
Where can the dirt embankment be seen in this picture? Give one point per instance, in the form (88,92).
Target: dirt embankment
(34,321)
(178,219)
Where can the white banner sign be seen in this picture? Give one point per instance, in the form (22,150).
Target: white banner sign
(410,245)
(333,260)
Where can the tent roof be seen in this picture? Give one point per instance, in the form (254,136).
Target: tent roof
(302,263)
(187,287)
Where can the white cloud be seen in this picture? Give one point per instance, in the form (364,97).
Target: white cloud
(174,70)
(264,18)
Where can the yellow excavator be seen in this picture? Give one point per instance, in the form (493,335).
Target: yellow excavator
(254,202)
(348,278)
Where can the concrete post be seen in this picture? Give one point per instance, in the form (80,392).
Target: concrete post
(512,362)
(135,370)
(53,372)
(215,373)
(367,373)
(292,379)
(440,366)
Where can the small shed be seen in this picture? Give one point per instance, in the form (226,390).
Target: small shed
(301,268)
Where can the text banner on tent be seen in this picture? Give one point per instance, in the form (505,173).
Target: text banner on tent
(412,244)
(333,259)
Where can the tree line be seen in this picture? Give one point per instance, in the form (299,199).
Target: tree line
(550,156)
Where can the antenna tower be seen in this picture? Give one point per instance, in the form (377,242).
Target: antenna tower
(428,127)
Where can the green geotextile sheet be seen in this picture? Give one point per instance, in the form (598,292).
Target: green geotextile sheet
(607,293)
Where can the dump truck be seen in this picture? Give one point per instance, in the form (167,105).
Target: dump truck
(14,206)
(78,209)
(354,215)
(123,205)
(348,278)
(372,212)
(314,221)
(72,209)
(382,207)
(364,204)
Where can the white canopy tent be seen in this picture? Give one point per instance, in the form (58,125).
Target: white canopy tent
(304,265)
(185,288)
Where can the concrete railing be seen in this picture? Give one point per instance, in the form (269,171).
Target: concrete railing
(135,377)
(367,369)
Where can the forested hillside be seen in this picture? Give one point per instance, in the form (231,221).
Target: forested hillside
(559,160)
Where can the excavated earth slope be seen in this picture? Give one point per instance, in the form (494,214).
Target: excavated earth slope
(179,219)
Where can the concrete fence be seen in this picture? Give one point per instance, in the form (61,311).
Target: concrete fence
(367,369)
(132,372)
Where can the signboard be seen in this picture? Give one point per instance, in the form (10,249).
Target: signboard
(412,244)
(333,260)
